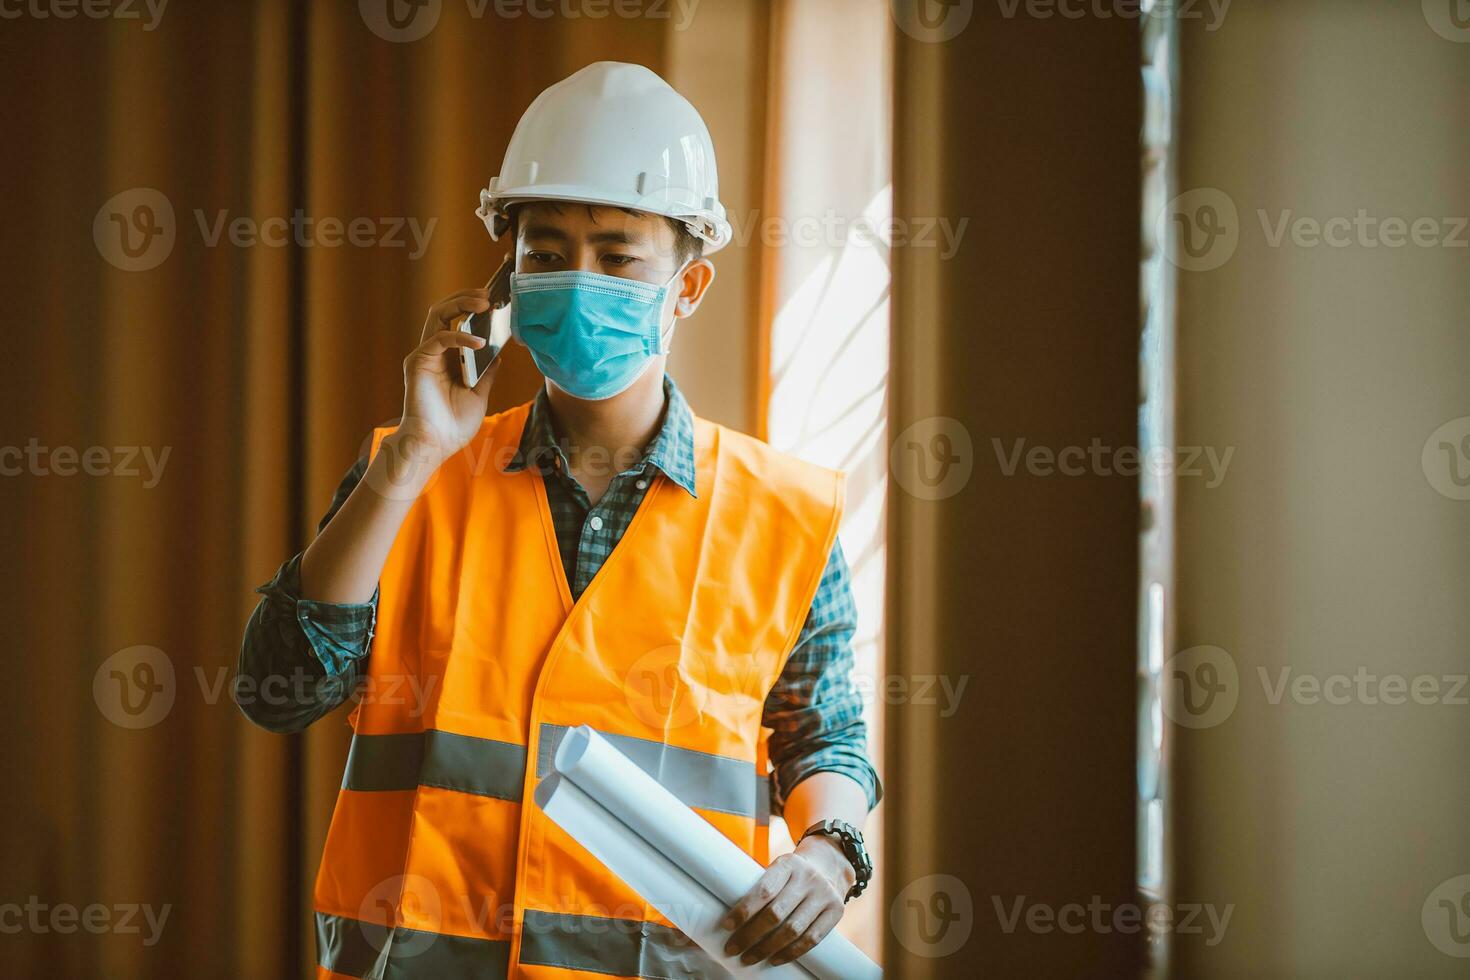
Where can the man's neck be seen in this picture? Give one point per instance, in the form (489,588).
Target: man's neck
(602,438)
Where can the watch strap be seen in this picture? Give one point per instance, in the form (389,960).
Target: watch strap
(850,839)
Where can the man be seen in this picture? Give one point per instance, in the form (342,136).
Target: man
(599,556)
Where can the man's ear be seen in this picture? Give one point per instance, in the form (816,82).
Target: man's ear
(695,280)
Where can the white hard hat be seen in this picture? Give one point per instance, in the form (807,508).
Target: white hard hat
(613,134)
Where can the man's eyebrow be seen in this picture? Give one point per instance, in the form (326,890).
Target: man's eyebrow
(545,231)
(619,236)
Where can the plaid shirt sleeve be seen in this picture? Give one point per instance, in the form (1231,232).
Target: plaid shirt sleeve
(300,658)
(815,711)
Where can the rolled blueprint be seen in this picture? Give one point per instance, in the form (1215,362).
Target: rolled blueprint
(669,854)
(680,899)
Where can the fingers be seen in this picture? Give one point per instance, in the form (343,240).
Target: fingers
(764,917)
(791,909)
(819,929)
(742,915)
(785,931)
(452,307)
(444,340)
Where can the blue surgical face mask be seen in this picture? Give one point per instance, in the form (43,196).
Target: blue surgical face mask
(591,335)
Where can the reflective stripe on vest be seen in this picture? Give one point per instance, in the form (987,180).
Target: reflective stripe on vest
(437,863)
(622,947)
(485,767)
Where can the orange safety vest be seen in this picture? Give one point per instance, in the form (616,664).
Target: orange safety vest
(438,863)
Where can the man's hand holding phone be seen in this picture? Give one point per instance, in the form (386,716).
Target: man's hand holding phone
(441,414)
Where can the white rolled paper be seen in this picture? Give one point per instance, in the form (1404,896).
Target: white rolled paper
(669,854)
(677,896)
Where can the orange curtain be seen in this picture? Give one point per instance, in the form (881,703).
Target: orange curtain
(258,369)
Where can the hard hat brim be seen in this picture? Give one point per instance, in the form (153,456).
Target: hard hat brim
(711,227)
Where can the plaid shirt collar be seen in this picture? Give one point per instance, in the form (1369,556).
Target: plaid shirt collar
(671,451)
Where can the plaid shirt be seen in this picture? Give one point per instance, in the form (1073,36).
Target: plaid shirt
(814,711)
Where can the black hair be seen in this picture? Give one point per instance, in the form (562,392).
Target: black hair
(687,245)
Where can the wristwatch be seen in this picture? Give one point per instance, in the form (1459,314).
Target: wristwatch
(851,841)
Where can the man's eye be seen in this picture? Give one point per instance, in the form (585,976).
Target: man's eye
(541,257)
(619,260)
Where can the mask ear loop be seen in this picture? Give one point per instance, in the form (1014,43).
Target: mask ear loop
(666,337)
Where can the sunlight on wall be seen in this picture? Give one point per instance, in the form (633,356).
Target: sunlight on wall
(824,229)
(828,404)
(829,374)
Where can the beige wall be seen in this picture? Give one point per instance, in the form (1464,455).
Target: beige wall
(1326,548)
(1022,584)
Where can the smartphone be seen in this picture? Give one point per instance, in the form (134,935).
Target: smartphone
(492,326)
